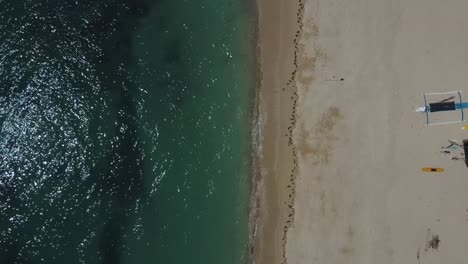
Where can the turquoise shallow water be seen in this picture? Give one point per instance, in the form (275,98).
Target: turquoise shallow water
(124,131)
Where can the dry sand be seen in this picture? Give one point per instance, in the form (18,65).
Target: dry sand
(360,195)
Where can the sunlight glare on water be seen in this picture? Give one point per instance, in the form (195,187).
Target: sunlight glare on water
(123,131)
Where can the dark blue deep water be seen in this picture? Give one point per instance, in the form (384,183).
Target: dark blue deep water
(124,131)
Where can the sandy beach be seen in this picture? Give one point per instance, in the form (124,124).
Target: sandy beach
(343,149)
(276,98)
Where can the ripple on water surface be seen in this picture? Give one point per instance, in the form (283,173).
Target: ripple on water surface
(62,128)
(108,149)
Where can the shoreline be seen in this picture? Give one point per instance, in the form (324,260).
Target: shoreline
(274,160)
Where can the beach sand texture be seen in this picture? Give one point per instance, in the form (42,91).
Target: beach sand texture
(273,197)
(360,194)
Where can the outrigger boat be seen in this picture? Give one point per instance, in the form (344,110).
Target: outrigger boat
(452,103)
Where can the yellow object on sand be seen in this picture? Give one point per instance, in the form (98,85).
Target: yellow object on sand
(433,169)
(465,127)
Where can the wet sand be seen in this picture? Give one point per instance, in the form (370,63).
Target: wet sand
(278,36)
(358,194)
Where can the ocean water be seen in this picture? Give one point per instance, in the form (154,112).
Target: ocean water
(124,131)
